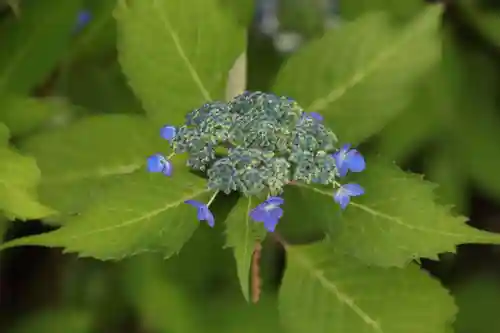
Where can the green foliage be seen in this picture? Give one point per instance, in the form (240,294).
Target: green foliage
(405,222)
(242,237)
(388,77)
(23,115)
(184,54)
(137,214)
(324,291)
(19,176)
(361,74)
(478,297)
(88,155)
(44,30)
(55,321)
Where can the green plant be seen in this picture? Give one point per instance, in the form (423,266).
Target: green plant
(88,176)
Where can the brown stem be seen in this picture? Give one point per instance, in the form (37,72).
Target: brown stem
(255,273)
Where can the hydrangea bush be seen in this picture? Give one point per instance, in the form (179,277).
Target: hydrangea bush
(275,168)
(265,142)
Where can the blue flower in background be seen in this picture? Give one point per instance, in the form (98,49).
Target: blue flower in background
(348,160)
(269,212)
(82,20)
(168,133)
(204,213)
(158,163)
(343,195)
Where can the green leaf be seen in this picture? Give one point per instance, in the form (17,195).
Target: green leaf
(420,121)
(324,291)
(395,221)
(99,35)
(398,220)
(43,33)
(143,212)
(361,75)
(23,115)
(400,11)
(184,62)
(153,294)
(89,155)
(19,176)
(485,20)
(452,180)
(57,320)
(99,89)
(242,234)
(80,160)
(478,298)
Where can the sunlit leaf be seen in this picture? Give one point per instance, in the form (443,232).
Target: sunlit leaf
(324,291)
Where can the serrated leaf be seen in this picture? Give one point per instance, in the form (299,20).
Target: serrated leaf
(80,160)
(398,220)
(184,61)
(395,221)
(143,213)
(323,291)
(242,233)
(361,75)
(42,32)
(19,176)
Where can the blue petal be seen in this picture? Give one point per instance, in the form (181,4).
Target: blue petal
(82,20)
(353,190)
(342,198)
(204,214)
(355,161)
(167,168)
(276,213)
(316,116)
(345,148)
(258,214)
(195,203)
(275,201)
(156,163)
(168,132)
(270,224)
(210,218)
(342,167)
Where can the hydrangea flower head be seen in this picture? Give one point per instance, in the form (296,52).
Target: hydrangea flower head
(257,144)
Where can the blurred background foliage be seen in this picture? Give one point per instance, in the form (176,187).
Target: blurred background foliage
(55,68)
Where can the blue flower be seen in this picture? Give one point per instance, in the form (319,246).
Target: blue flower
(82,20)
(268,212)
(204,213)
(343,195)
(348,160)
(158,163)
(168,132)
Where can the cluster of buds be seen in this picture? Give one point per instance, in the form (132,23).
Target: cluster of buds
(258,143)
